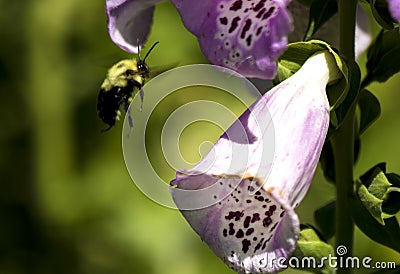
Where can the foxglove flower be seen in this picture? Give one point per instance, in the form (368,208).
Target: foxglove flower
(394,8)
(247,36)
(129,22)
(248,219)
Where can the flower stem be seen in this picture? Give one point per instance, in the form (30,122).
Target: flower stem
(343,141)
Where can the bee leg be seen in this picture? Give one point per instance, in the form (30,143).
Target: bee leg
(141,93)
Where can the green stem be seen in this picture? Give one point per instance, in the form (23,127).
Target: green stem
(343,140)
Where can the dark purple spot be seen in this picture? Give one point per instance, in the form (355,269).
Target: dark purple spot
(259,5)
(221,6)
(246,10)
(267,213)
(248,201)
(246,223)
(250,188)
(256,217)
(272,228)
(261,12)
(248,40)
(245,245)
(259,245)
(234,214)
(272,209)
(249,231)
(260,198)
(234,24)
(223,21)
(267,221)
(269,238)
(245,29)
(231,230)
(264,206)
(254,238)
(268,13)
(237,5)
(259,30)
(225,232)
(239,234)
(264,244)
(237,200)
(282,214)
(258,193)
(215,196)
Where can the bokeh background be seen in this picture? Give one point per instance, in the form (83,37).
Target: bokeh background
(67,203)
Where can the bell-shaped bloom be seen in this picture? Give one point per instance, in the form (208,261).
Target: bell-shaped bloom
(246,36)
(394,8)
(239,199)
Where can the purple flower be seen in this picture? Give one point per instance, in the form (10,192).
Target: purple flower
(394,8)
(246,36)
(249,219)
(129,22)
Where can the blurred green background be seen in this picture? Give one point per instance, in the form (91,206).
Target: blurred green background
(67,203)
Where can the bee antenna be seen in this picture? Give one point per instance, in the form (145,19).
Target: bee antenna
(138,49)
(152,47)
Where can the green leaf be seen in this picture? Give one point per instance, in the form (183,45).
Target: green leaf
(370,110)
(383,57)
(387,235)
(378,195)
(320,12)
(325,219)
(310,250)
(296,55)
(381,13)
(391,203)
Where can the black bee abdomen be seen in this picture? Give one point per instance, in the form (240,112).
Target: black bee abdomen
(110,101)
(108,104)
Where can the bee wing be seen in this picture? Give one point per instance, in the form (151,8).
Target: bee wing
(156,70)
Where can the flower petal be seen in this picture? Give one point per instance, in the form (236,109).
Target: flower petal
(246,36)
(394,8)
(248,232)
(129,21)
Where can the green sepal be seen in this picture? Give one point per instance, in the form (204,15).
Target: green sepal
(391,203)
(313,250)
(380,11)
(378,194)
(325,219)
(387,235)
(341,108)
(370,110)
(383,57)
(298,53)
(320,12)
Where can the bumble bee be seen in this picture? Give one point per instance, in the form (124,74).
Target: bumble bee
(123,81)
